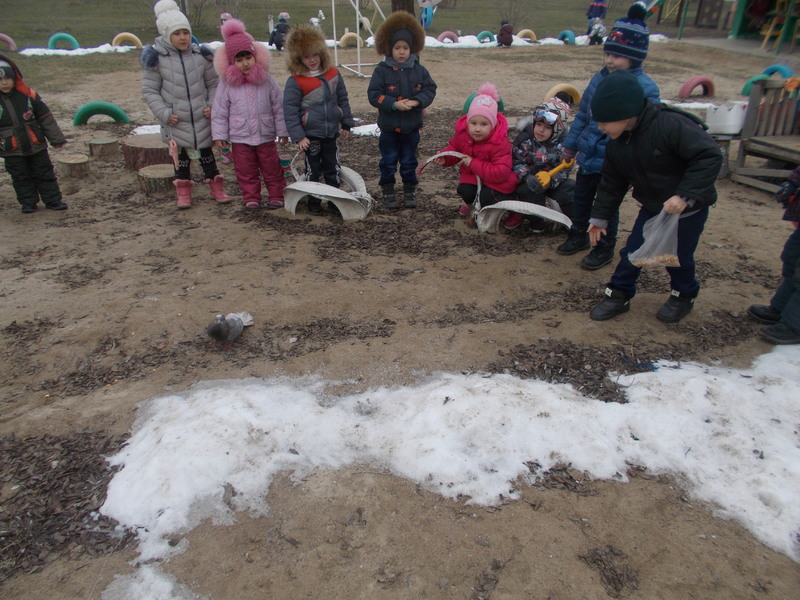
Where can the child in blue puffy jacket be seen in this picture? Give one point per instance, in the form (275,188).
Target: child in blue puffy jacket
(625,48)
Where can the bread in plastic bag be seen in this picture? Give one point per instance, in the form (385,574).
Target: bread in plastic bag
(660,247)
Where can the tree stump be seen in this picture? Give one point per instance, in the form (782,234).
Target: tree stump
(73,165)
(156,180)
(144,150)
(103,148)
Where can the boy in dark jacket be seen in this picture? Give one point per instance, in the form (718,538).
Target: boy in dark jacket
(400,88)
(315,106)
(781,316)
(672,165)
(25,126)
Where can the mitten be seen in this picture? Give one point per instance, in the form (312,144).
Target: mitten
(786,191)
(534,184)
(567,154)
(522,172)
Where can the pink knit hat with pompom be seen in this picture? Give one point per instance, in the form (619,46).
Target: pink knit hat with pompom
(484,104)
(236,39)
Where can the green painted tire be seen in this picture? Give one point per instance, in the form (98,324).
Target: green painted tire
(501,107)
(749,84)
(100,108)
(485,35)
(52,43)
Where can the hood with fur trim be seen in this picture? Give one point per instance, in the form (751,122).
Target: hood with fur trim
(396,21)
(306,40)
(227,70)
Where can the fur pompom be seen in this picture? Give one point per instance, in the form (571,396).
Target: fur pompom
(638,11)
(232,26)
(489,89)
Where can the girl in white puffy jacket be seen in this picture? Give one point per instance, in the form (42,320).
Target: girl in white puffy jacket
(178,85)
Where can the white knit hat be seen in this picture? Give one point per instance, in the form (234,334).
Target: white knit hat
(169,18)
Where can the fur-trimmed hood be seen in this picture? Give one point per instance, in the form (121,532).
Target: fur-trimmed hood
(233,32)
(306,40)
(399,20)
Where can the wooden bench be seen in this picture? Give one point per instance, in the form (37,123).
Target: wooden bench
(771,130)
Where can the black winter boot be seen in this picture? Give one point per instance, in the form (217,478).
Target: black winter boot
(600,256)
(576,242)
(614,304)
(764,313)
(409,195)
(675,308)
(389,197)
(780,333)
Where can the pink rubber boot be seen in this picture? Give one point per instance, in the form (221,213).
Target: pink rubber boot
(217,191)
(184,189)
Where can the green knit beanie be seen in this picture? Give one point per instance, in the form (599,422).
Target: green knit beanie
(618,97)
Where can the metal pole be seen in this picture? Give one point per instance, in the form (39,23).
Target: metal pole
(683,18)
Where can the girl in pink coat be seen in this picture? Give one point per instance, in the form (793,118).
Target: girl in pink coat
(482,135)
(247,115)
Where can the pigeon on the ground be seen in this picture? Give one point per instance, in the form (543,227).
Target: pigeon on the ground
(228,328)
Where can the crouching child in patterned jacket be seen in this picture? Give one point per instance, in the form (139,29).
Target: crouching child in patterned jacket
(538,148)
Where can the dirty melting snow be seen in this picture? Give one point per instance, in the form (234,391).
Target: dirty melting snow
(731,436)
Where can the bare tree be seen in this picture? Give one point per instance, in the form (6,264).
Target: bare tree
(515,12)
(406,5)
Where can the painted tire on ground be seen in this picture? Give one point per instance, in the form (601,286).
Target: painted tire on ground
(784,70)
(126,37)
(99,108)
(485,35)
(565,92)
(749,84)
(9,42)
(52,43)
(527,34)
(500,104)
(195,40)
(426,17)
(351,37)
(567,36)
(694,82)
(448,35)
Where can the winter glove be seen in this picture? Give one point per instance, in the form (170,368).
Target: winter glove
(522,172)
(567,154)
(784,194)
(535,185)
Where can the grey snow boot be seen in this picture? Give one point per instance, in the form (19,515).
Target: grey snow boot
(409,195)
(389,197)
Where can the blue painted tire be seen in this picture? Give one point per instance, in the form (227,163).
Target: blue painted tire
(567,36)
(783,69)
(485,35)
(195,40)
(52,43)
(426,17)
(100,108)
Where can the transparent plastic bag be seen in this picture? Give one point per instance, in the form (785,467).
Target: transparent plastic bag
(660,247)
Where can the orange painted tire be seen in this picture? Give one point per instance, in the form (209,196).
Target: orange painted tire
(568,93)
(694,82)
(344,42)
(527,34)
(126,36)
(448,35)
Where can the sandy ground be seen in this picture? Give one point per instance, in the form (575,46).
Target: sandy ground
(104,305)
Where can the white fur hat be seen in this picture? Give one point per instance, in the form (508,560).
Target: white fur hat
(169,18)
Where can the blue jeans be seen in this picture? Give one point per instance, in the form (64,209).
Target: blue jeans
(585,191)
(682,279)
(398,147)
(787,298)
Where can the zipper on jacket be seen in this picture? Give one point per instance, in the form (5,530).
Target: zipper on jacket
(188,97)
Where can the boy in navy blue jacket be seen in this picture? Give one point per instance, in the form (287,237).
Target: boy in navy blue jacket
(400,89)
(625,48)
(672,164)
